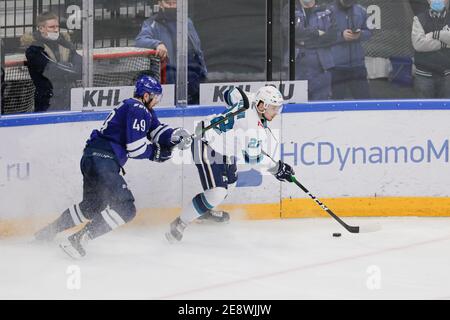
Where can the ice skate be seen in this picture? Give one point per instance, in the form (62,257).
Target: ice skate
(74,246)
(215,216)
(175,233)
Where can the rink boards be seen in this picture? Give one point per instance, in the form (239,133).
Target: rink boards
(384,158)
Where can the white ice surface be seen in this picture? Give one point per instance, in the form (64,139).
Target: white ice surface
(276,259)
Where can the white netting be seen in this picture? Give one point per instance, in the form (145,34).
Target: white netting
(112,67)
(123,68)
(19,89)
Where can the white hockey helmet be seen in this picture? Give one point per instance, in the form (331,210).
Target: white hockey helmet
(269,96)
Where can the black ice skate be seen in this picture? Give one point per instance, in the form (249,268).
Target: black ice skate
(46,234)
(215,216)
(176,230)
(74,245)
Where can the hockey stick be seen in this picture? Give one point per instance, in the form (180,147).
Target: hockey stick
(246,105)
(349,228)
(352,229)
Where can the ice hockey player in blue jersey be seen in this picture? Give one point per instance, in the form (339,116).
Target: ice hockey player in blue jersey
(131,131)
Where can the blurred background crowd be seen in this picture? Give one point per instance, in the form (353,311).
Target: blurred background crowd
(345,49)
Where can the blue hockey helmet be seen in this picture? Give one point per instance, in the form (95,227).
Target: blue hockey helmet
(147,84)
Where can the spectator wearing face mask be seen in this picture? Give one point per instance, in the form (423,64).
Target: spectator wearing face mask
(53,64)
(431,41)
(160,32)
(349,76)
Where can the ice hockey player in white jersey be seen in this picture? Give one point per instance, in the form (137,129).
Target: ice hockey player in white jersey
(243,138)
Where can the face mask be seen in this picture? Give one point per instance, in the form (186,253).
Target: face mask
(437,5)
(53,36)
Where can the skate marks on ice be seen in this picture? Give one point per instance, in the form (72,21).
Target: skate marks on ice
(276,259)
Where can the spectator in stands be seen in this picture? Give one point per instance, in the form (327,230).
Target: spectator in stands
(350,70)
(2,80)
(315,33)
(53,63)
(431,41)
(159,32)
(418,6)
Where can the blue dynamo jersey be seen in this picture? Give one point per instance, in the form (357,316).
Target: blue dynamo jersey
(127,131)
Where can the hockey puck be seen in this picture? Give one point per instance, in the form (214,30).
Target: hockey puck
(336,234)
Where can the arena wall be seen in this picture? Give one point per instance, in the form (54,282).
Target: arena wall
(384,158)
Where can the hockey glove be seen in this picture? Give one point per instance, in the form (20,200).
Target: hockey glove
(283,171)
(181,138)
(160,153)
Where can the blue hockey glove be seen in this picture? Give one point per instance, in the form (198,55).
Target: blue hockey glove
(161,153)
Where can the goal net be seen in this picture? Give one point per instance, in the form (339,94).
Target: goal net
(112,67)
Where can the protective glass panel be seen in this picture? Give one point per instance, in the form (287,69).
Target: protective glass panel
(116,62)
(280,40)
(381,50)
(227,49)
(232,40)
(373,43)
(41,43)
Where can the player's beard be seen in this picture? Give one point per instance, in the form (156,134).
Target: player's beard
(147,104)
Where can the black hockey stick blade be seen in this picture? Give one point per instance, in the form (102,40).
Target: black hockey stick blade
(351,229)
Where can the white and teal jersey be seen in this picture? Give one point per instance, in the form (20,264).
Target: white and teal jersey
(244,136)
